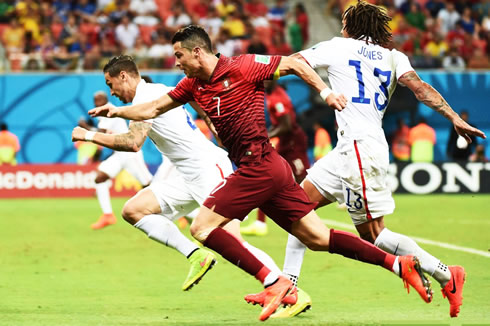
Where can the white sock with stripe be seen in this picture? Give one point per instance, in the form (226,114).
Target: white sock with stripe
(399,244)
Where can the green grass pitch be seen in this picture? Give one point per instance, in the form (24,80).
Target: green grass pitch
(55,270)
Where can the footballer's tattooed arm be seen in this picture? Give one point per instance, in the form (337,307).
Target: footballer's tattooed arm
(426,94)
(132,141)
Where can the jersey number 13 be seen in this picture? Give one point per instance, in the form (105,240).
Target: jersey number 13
(383,85)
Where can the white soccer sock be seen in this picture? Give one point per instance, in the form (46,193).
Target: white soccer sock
(102,191)
(295,253)
(166,232)
(263,257)
(399,244)
(271,278)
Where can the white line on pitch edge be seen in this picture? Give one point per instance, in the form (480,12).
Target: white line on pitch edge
(420,240)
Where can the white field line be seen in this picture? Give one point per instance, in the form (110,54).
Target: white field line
(351,227)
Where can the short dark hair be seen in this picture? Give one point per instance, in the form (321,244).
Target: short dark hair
(3,126)
(364,20)
(193,36)
(121,63)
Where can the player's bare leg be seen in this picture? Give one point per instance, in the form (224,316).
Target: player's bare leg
(102,191)
(143,211)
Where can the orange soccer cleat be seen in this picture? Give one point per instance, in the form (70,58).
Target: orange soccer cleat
(259,298)
(411,273)
(453,290)
(104,220)
(273,295)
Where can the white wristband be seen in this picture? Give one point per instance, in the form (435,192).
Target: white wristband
(89,135)
(324,93)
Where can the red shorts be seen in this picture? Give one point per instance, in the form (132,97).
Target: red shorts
(299,163)
(269,186)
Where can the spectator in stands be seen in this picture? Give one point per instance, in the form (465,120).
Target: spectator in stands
(62,59)
(436,46)
(323,143)
(126,33)
(178,18)
(279,46)
(200,9)
(212,23)
(277,15)
(256,8)
(84,8)
(434,6)
(458,148)
(224,44)
(144,11)
(400,145)
(225,8)
(447,18)
(422,139)
(256,45)
(69,30)
(479,60)
(467,21)
(7,10)
(161,53)
(13,37)
(453,61)
(416,17)
(140,53)
(303,22)
(479,154)
(235,25)
(62,8)
(9,145)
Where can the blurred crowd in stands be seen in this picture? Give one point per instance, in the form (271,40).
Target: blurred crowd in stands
(82,35)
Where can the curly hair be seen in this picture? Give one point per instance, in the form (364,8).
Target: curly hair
(364,21)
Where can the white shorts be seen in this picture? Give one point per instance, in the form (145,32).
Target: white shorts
(178,197)
(338,177)
(132,162)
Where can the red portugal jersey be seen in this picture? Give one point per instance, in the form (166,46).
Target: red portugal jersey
(279,104)
(233,99)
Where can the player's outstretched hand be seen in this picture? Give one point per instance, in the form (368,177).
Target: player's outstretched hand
(465,130)
(336,101)
(78,133)
(106,110)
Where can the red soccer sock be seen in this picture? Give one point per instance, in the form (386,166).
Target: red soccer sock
(260,216)
(351,246)
(232,250)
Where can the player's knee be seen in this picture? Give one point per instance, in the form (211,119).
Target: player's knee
(318,244)
(199,231)
(131,213)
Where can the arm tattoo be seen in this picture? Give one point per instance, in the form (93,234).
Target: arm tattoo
(129,141)
(426,94)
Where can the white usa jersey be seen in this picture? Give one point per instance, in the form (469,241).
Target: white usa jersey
(366,74)
(176,136)
(113,125)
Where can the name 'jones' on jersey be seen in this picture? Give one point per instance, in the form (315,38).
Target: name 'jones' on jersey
(234,100)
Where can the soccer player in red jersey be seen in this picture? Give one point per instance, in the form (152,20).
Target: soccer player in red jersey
(230,90)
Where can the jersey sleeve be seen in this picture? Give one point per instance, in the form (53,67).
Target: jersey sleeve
(402,64)
(182,93)
(322,54)
(255,67)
